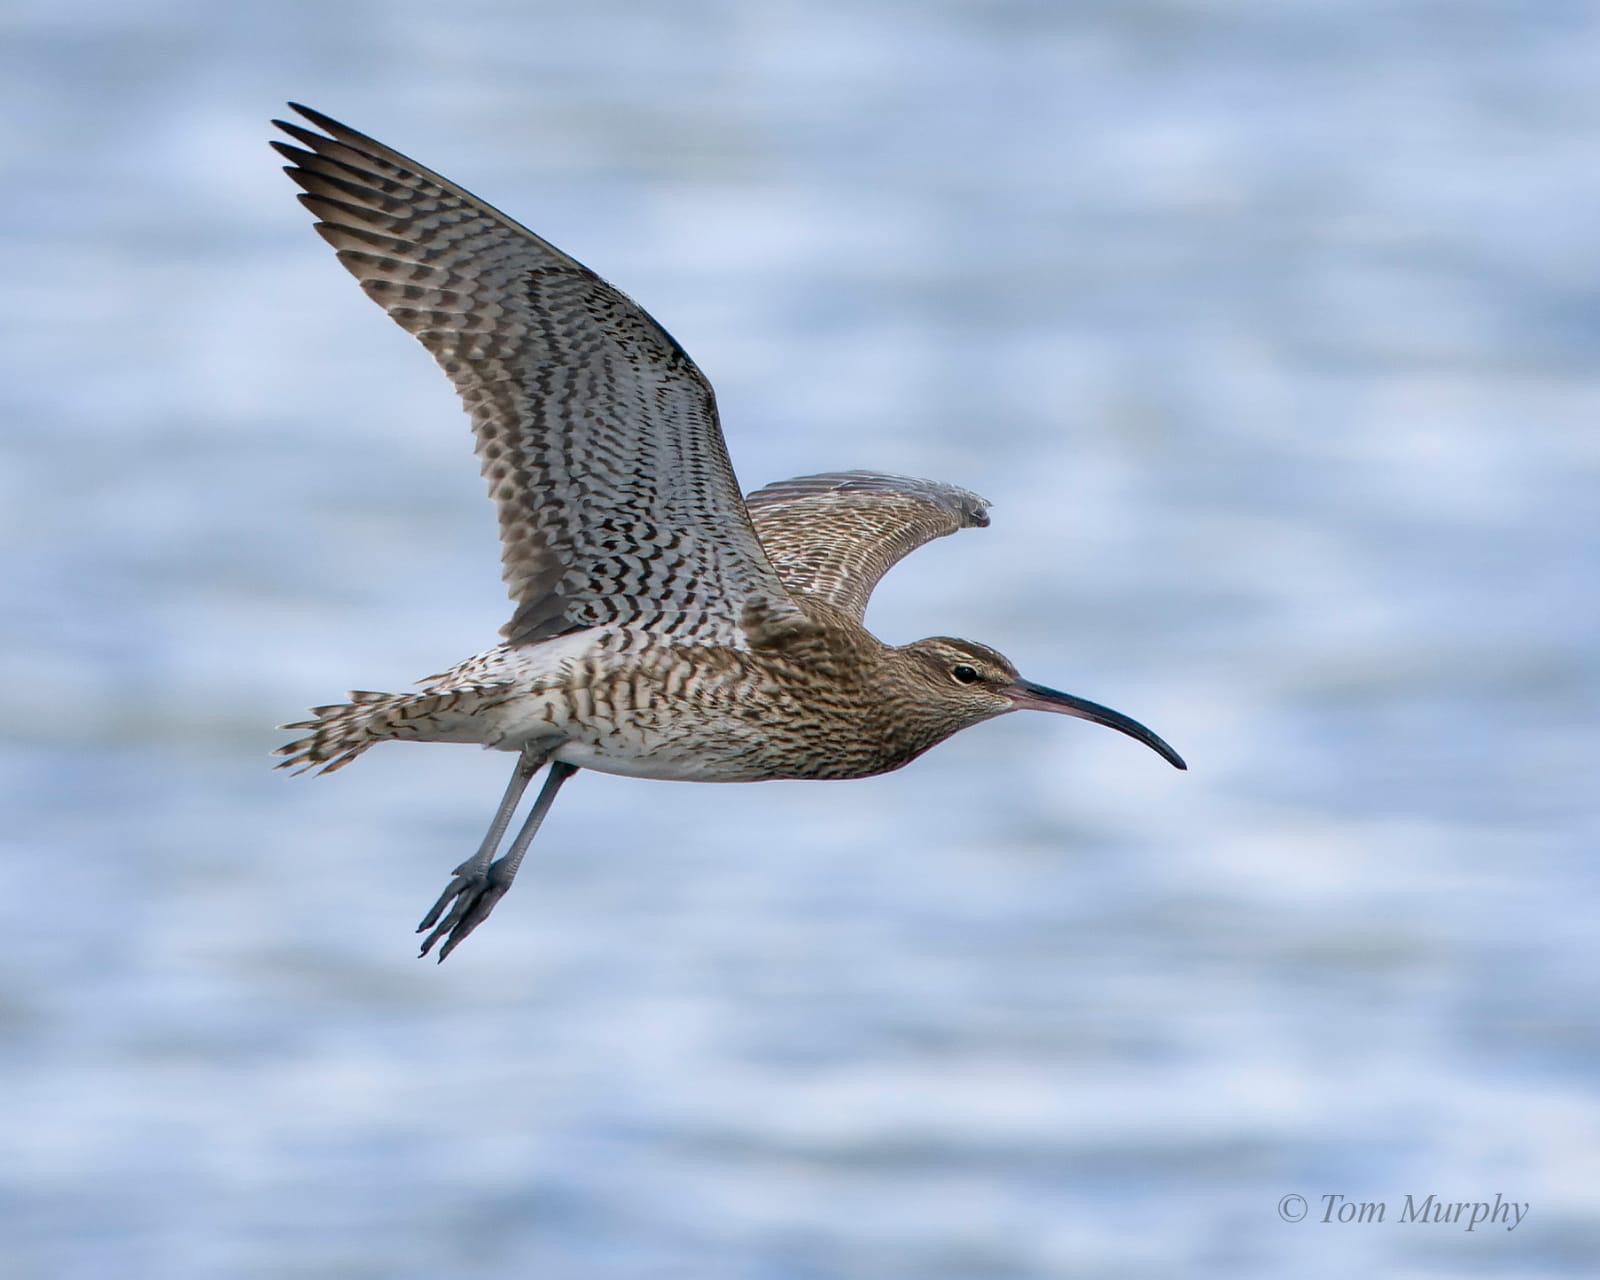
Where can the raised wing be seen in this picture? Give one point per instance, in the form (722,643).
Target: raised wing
(597,434)
(834,536)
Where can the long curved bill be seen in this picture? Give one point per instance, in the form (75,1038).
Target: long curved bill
(1035,697)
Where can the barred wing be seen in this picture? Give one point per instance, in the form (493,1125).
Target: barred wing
(834,536)
(597,434)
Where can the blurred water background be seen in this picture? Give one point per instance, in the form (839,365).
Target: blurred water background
(1269,329)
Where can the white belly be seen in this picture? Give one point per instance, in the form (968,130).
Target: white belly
(652,764)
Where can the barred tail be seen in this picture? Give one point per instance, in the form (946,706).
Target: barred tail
(343,730)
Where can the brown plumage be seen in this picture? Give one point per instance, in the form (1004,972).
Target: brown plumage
(664,627)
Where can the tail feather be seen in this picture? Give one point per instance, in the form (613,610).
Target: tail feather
(343,730)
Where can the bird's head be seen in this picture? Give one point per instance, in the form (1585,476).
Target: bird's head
(970,683)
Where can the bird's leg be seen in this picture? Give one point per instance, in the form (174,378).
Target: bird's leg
(474,868)
(479,883)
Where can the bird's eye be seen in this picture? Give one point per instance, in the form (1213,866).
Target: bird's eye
(963,674)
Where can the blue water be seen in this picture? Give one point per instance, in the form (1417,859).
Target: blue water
(1270,331)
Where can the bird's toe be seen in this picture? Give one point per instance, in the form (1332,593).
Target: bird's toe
(465,904)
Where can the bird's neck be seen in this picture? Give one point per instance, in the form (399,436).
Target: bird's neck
(871,694)
(910,719)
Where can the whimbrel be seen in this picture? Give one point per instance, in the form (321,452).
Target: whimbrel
(665,626)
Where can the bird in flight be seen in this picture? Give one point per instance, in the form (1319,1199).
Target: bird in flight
(665,626)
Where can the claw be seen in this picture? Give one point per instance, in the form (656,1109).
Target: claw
(474,898)
(477,884)
(456,886)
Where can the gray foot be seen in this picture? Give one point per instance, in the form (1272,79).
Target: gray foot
(479,883)
(474,893)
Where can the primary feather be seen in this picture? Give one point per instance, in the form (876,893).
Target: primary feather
(833,536)
(598,435)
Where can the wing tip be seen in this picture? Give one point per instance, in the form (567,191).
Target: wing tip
(340,132)
(333,129)
(968,507)
(312,114)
